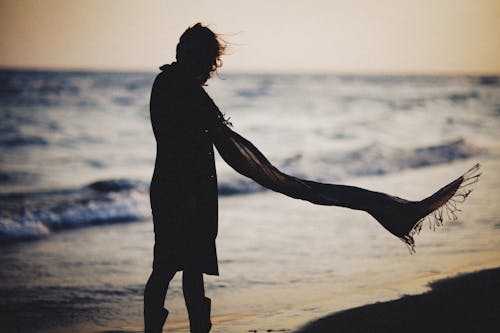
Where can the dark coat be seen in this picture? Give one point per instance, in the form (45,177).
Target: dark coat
(184,184)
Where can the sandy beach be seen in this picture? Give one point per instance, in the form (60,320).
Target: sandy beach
(466,303)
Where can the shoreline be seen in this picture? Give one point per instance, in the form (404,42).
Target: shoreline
(465,303)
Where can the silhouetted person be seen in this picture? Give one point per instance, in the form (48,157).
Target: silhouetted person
(184,184)
(186,124)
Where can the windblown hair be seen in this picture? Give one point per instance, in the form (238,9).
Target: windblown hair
(200,50)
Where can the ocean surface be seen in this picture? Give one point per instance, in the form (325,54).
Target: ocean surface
(77,154)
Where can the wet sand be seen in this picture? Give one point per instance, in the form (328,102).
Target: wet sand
(467,303)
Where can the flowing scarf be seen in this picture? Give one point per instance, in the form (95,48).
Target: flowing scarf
(403,218)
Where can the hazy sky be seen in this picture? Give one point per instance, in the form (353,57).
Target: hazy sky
(447,36)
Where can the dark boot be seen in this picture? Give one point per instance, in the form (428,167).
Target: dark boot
(199,316)
(153,322)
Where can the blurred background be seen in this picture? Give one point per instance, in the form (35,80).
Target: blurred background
(395,96)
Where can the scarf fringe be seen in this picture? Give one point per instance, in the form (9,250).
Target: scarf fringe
(223,119)
(447,212)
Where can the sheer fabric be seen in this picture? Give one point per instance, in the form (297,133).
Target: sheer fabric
(403,218)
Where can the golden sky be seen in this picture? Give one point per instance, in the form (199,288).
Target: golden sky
(360,36)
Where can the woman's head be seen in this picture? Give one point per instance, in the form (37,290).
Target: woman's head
(199,50)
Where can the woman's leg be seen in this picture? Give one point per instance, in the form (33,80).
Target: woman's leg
(197,304)
(154,298)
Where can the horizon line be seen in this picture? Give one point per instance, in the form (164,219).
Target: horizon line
(233,71)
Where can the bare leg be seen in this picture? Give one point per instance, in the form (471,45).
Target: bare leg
(197,304)
(154,298)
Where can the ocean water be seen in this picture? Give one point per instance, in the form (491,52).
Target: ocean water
(77,148)
(77,154)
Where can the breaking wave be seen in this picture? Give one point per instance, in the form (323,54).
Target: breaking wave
(36,214)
